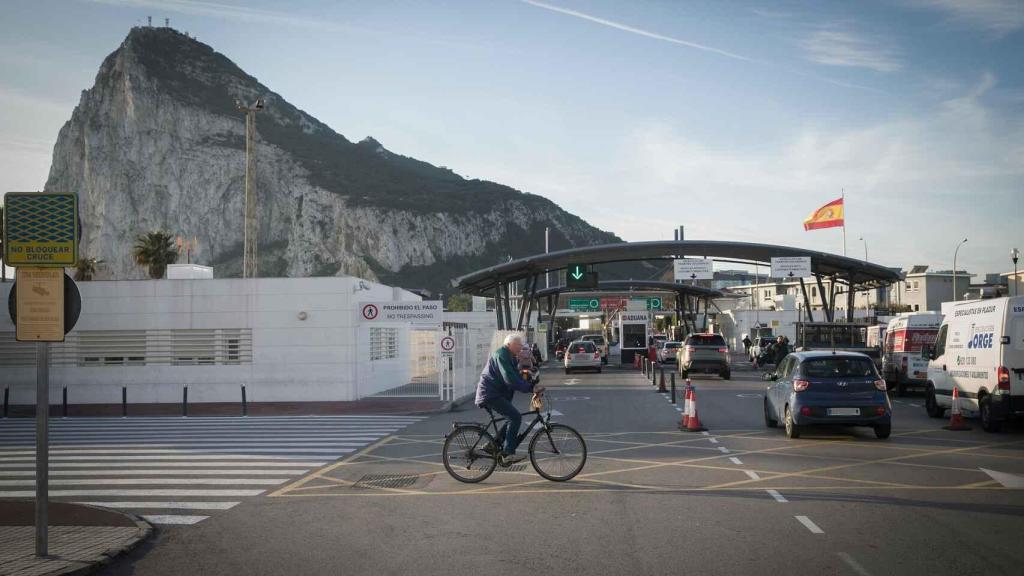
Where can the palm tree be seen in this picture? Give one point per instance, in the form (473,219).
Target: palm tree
(86,268)
(155,250)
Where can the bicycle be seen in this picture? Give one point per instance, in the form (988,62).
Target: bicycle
(471,452)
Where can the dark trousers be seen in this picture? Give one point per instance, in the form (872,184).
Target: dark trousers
(510,429)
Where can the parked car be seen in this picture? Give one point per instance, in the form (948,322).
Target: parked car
(704,353)
(980,351)
(823,387)
(582,354)
(601,344)
(667,351)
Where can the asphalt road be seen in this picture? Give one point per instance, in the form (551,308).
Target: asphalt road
(741,499)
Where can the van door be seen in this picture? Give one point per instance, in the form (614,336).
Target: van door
(1014,354)
(938,373)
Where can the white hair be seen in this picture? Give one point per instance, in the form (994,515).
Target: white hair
(514,337)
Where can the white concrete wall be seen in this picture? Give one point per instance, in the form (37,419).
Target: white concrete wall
(311,359)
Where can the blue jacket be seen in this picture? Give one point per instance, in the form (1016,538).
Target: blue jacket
(500,378)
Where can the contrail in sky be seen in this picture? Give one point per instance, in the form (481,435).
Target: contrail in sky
(638,31)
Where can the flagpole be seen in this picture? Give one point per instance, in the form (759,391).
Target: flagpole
(844,220)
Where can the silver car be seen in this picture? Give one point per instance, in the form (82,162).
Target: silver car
(667,351)
(582,355)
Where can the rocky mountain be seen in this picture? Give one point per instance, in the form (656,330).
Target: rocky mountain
(157,142)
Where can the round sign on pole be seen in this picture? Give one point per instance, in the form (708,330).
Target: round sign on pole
(447,344)
(72,303)
(370,311)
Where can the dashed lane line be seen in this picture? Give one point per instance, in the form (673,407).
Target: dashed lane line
(753,475)
(853,564)
(173,519)
(736,461)
(778,497)
(809,525)
(723,449)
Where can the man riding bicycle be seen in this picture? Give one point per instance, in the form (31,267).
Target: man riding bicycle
(499,382)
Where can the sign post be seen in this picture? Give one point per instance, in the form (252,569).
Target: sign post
(693,269)
(791,267)
(40,237)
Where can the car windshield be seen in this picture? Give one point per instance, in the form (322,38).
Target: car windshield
(707,340)
(583,347)
(671,344)
(595,339)
(766,341)
(838,367)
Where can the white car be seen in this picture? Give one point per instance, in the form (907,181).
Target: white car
(582,355)
(602,346)
(980,351)
(667,351)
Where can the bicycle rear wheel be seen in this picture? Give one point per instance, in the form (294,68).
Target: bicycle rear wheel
(470,454)
(558,453)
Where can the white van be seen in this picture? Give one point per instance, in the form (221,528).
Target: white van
(980,350)
(905,337)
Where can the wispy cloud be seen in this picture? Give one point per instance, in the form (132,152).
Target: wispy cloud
(840,47)
(638,31)
(997,17)
(230,12)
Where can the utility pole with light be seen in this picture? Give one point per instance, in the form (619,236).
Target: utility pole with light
(955,297)
(1014,254)
(250,238)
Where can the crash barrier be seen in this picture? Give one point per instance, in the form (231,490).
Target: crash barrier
(956,419)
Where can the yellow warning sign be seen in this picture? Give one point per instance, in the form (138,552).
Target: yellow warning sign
(40,229)
(40,305)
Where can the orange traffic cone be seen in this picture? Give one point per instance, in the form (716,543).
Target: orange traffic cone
(956,419)
(687,394)
(693,422)
(661,383)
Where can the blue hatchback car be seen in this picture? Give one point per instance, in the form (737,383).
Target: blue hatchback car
(824,387)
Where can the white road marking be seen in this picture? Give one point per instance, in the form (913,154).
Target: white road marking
(260,464)
(713,440)
(678,409)
(172,519)
(916,405)
(723,449)
(853,564)
(809,525)
(197,457)
(154,481)
(248,450)
(778,497)
(149,472)
(164,493)
(168,505)
(736,461)
(753,475)
(706,433)
(1007,480)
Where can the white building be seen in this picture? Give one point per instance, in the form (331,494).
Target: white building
(285,339)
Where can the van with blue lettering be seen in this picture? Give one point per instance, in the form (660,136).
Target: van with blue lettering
(979,350)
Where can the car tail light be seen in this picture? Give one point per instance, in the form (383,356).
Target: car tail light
(800,385)
(880,385)
(581,350)
(597,355)
(805,410)
(690,348)
(880,410)
(723,350)
(1003,377)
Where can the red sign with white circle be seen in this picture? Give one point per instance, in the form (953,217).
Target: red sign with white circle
(370,311)
(447,344)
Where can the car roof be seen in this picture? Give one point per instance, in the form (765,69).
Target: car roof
(828,353)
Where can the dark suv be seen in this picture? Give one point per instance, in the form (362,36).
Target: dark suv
(705,353)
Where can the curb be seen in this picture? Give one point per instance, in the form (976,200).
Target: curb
(144,531)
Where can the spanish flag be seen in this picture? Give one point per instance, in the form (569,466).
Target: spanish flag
(828,216)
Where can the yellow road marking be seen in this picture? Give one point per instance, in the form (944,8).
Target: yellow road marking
(319,473)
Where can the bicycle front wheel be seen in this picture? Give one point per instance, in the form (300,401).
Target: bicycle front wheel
(470,454)
(558,452)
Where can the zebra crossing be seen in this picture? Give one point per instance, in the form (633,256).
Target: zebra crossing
(177,471)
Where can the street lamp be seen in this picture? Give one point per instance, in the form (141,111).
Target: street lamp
(1014,254)
(250,237)
(865,248)
(955,297)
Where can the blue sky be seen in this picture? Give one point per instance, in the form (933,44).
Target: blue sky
(736,119)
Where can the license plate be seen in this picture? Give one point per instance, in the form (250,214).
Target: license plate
(844,411)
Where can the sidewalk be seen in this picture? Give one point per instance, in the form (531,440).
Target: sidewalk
(80,538)
(368,406)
